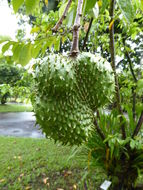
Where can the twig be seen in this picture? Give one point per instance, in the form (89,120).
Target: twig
(75,46)
(86,37)
(112,51)
(56,27)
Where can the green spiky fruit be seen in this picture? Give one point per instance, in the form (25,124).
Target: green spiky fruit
(67,93)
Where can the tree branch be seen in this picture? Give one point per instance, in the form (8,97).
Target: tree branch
(75,46)
(135,79)
(86,37)
(112,51)
(140,121)
(56,27)
(138,127)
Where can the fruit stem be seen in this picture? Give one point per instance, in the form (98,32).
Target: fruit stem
(76,28)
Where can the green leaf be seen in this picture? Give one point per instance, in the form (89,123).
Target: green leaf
(21,53)
(31,5)
(140,83)
(35,49)
(62,8)
(35,30)
(71,15)
(136,4)
(132,144)
(25,54)
(57,44)
(5,47)
(89,5)
(16,4)
(105,3)
(142,5)
(127,9)
(48,43)
(16,50)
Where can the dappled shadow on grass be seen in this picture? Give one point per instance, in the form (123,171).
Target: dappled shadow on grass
(53,180)
(62,179)
(40,164)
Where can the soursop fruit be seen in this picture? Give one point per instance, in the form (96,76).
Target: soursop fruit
(67,93)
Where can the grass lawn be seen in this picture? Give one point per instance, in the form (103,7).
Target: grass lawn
(15,108)
(39,164)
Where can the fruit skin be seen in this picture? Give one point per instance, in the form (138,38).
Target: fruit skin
(67,93)
(95,78)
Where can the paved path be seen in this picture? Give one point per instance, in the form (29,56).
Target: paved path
(19,124)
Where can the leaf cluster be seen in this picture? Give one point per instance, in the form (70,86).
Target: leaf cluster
(116,156)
